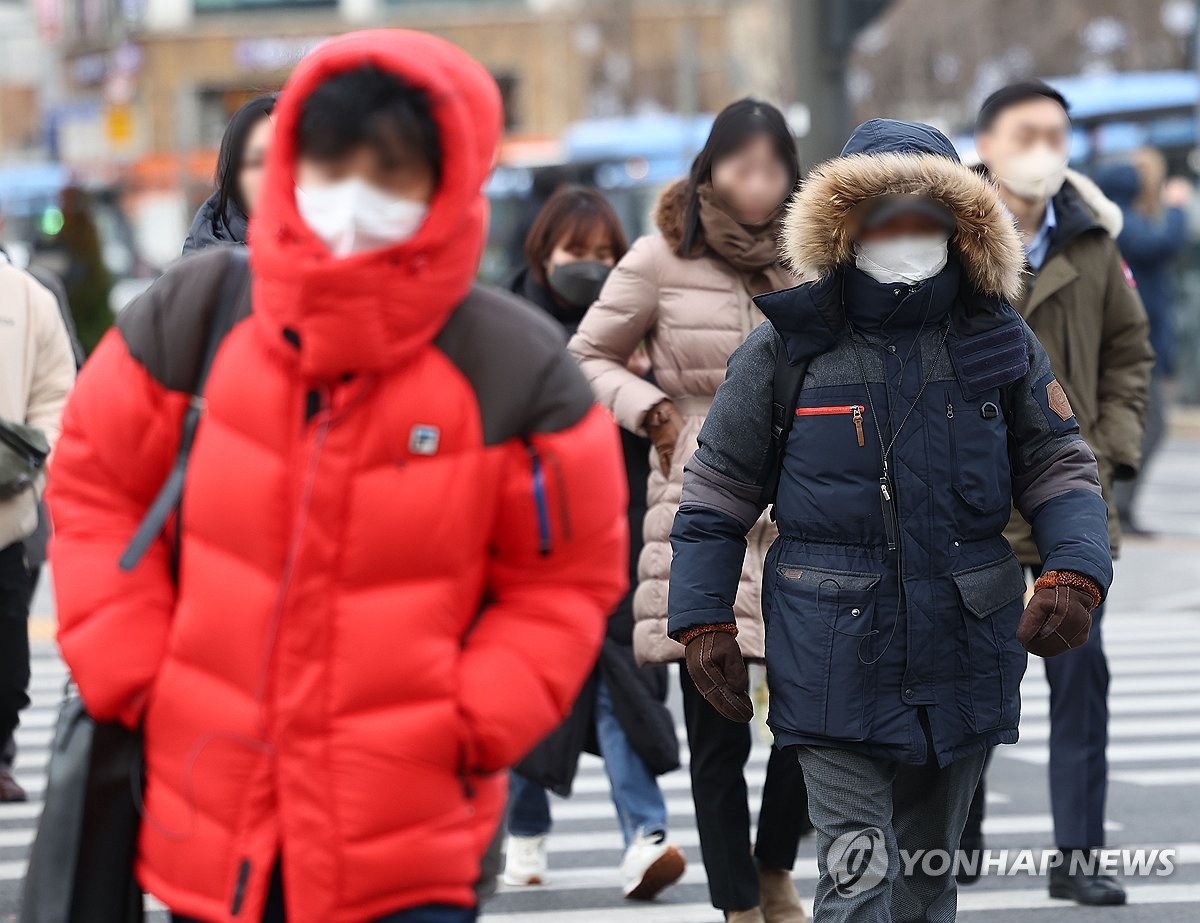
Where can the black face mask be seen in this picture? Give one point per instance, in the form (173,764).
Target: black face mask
(578,284)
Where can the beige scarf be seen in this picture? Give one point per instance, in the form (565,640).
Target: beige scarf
(752,250)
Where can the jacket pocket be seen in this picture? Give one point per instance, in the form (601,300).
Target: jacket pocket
(992,596)
(816,650)
(852,412)
(979,453)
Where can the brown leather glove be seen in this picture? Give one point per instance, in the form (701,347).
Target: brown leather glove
(1058,617)
(663,425)
(716,666)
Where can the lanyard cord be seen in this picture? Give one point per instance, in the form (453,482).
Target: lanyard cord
(870,400)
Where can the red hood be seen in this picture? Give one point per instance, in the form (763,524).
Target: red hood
(370,311)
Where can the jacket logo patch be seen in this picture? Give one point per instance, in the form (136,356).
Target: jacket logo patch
(1056,399)
(424,439)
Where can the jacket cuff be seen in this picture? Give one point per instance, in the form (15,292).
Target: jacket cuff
(690,634)
(636,398)
(1068,578)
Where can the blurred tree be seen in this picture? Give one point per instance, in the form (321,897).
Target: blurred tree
(938,59)
(70,246)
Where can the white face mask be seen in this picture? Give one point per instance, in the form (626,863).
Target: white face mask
(1036,174)
(352,216)
(909,259)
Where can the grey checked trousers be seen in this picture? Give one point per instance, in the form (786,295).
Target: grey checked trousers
(914,807)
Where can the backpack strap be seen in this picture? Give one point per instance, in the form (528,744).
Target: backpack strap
(170,495)
(787,382)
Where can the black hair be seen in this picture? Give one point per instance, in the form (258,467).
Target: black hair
(370,106)
(734,126)
(1014,94)
(233,152)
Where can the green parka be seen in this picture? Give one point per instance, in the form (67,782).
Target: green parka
(1084,307)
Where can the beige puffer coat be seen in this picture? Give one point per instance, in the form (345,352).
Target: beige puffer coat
(692,314)
(37,369)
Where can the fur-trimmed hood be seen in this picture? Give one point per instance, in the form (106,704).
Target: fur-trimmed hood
(884,157)
(669,211)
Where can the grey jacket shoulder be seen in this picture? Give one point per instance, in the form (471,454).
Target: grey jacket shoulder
(735,440)
(165,328)
(516,360)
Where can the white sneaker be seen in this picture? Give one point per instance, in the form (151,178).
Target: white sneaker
(525,861)
(650,864)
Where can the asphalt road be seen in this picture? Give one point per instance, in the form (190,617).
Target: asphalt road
(1152,633)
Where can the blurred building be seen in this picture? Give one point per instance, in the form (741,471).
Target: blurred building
(149,84)
(28,75)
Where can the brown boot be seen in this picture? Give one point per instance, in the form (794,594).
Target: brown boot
(753,915)
(10,791)
(780,902)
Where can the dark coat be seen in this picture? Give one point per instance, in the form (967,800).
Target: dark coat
(638,693)
(1149,245)
(862,640)
(210,229)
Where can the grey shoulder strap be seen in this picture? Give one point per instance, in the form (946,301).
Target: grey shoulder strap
(229,296)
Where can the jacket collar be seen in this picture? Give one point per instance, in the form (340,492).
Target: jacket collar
(371,311)
(1080,210)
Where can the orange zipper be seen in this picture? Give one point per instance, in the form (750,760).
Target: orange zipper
(855,410)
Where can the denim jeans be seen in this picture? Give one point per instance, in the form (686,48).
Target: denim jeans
(635,792)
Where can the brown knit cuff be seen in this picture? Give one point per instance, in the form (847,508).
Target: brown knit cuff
(1069,578)
(697,630)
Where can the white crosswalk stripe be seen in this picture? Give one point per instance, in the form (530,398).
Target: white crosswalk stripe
(1155,744)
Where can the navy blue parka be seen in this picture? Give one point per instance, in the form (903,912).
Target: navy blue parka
(861,639)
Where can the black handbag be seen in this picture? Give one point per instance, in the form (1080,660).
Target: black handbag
(81,865)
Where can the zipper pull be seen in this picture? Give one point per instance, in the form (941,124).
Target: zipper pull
(888,503)
(949,411)
(540,502)
(858,424)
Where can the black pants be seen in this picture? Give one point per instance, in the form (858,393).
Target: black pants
(17,583)
(274,911)
(720,748)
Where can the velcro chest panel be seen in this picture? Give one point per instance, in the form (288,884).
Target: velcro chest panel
(991,359)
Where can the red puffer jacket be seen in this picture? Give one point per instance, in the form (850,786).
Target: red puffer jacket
(402,530)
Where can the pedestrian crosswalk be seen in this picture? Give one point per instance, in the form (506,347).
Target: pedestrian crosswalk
(1154,751)
(1155,742)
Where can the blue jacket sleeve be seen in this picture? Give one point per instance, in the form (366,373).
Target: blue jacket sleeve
(1145,241)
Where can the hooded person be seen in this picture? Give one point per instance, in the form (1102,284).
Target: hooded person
(402,530)
(897,634)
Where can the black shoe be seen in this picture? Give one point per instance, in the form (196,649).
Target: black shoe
(1085,887)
